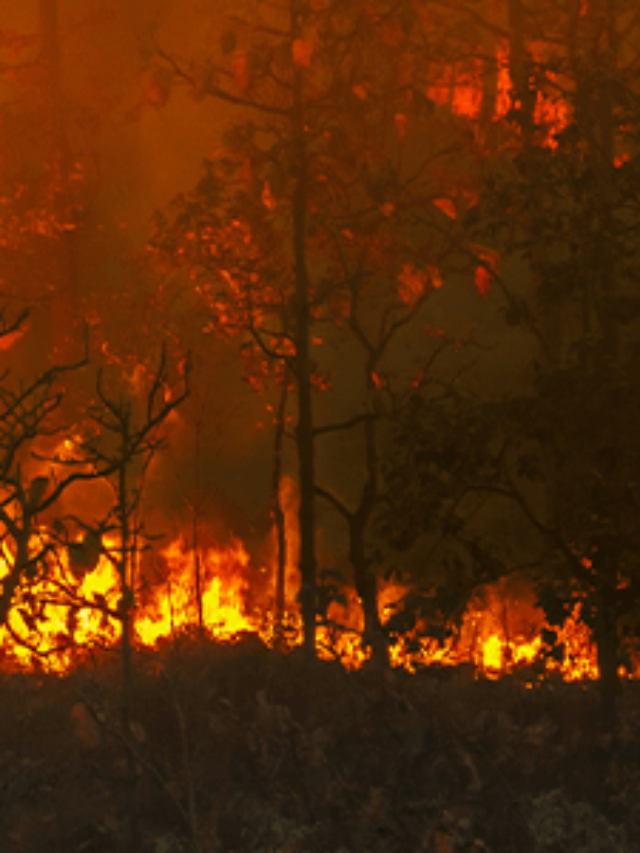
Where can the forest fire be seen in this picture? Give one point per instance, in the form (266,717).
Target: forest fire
(498,635)
(319,330)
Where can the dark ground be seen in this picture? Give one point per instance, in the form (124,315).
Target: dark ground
(239,749)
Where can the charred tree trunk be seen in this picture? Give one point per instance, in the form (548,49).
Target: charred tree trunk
(125,570)
(374,636)
(304,431)
(65,306)
(606,255)
(197,563)
(197,571)
(520,70)
(489,88)
(367,588)
(278,514)
(601,121)
(365,578)
(135,445)
(606,633)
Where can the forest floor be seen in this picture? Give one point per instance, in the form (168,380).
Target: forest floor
(237,748)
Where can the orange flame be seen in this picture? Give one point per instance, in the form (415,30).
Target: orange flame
(73,610)
(496,637)
(462,90)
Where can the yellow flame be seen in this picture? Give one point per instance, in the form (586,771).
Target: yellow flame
(495,637)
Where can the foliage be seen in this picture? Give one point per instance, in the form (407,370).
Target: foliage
(376,158)
(560,450)
(321,215)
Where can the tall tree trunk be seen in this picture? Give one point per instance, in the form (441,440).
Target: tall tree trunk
(365,579)
(605,564)
(126,606)
(520,70)
(304,432)
(605,49)
(277,511)
(195,507)
(603,153)
(65,305)
(197,572)
(489,89)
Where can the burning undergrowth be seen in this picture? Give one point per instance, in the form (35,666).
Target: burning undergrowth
(221,593)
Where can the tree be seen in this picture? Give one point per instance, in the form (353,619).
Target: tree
(29,419)
(560,448)
(121,435)
(321,200)
(386,381)
(44,191)
(66,78)
(581,239)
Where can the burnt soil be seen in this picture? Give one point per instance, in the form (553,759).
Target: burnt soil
(237,748)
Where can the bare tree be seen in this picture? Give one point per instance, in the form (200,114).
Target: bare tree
(123,434)
(29,418)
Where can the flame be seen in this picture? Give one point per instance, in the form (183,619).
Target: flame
(498,634)
(223,600)
(62,626)
(77,611)
(461,89)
